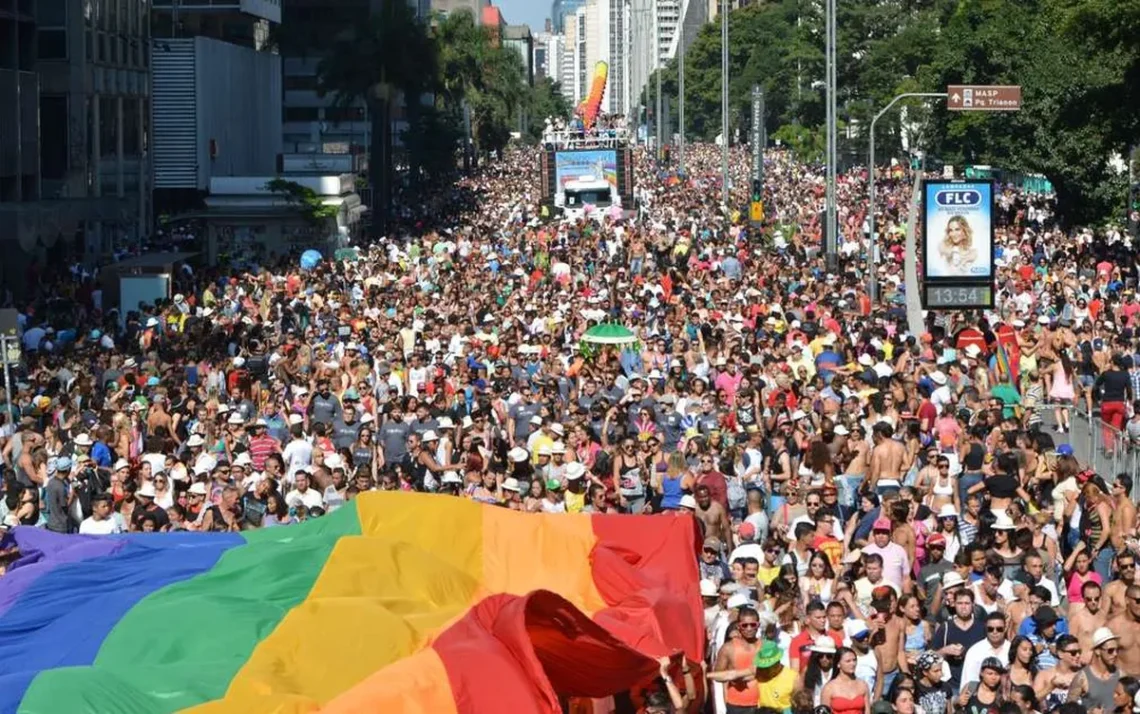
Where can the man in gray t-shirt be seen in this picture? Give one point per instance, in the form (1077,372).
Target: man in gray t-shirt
(393,437)
(57,495)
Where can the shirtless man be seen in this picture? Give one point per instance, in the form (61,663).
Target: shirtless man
(886,633)
(1127,626)
(715,518)
(1052,685)
(1113,601)
(1085,619)
(860,454)
(886,457)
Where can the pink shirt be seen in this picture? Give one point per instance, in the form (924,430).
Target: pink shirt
(728,383)
(896,563)
(1077,581)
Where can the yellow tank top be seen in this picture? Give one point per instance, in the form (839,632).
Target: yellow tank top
(776,693)
(575,502)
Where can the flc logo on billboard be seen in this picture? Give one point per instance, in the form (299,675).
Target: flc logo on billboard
(958,197)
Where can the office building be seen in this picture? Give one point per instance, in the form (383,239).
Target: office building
(495,24)
(561,11)
(311,123)
(607,41)
(580,70)
(655,38)
(216,97)
(715,5)
(548,51)
(245,23)
(518,38)
(475,7)
(80,71)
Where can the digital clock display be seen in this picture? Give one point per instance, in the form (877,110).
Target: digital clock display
(966,297)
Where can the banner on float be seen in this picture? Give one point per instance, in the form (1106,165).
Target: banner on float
(958,231)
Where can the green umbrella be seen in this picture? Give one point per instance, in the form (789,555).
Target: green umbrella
(609,334)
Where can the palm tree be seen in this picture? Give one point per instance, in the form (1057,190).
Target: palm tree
(371,62)
(488,78)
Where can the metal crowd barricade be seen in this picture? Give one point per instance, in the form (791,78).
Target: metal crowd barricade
(1102,447)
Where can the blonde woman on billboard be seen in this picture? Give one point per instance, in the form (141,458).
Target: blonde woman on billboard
(957,247)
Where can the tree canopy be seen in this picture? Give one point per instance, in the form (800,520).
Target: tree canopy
(1078,63)
(445,69)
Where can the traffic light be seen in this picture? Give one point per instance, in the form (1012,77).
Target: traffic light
(757,190)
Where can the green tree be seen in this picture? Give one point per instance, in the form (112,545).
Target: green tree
(1078,62)
(390,53)
(545,100)
(1064,129)
(475,71)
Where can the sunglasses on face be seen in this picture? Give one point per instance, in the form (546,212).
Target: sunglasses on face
(995,629)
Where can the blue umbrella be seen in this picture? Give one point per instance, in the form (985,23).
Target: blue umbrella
(310,259)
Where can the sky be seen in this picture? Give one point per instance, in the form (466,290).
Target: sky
(525,12)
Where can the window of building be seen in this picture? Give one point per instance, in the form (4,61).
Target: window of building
(51,13)
(344,114)
(54,136)
(300,82)
(301,114)
(51,44)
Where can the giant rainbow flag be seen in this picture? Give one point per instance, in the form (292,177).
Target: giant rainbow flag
(593,101)
(396,603)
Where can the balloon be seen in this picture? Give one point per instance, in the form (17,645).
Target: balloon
(310,259)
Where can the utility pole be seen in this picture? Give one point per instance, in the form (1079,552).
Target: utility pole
(830,227)
(724,99)
(657,71)
(681,102)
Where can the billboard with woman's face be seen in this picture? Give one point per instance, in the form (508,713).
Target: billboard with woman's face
(958,230)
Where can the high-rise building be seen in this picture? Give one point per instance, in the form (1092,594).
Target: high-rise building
(74,127)
(715,5)
(581,57)
(312,123)
(561,11)
(205,127)
(548,51)
(518,38)
(495,24)
(655,38)
(607,41)
(475,7)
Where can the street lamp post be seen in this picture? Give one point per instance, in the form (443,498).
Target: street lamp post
(660,133)
(681,100)
(830,227)
(724,99)
(873,273)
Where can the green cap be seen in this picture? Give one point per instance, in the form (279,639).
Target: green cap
(553,484)
(767,656)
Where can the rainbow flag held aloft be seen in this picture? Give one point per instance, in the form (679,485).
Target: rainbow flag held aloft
(593,101)
(1004,346)
(395,603)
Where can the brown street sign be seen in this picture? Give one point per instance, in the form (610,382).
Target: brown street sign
(983,97)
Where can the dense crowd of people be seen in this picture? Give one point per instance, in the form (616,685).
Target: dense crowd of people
(891,522)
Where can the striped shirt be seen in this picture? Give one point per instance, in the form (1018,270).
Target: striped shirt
(260,449)
(967,532)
